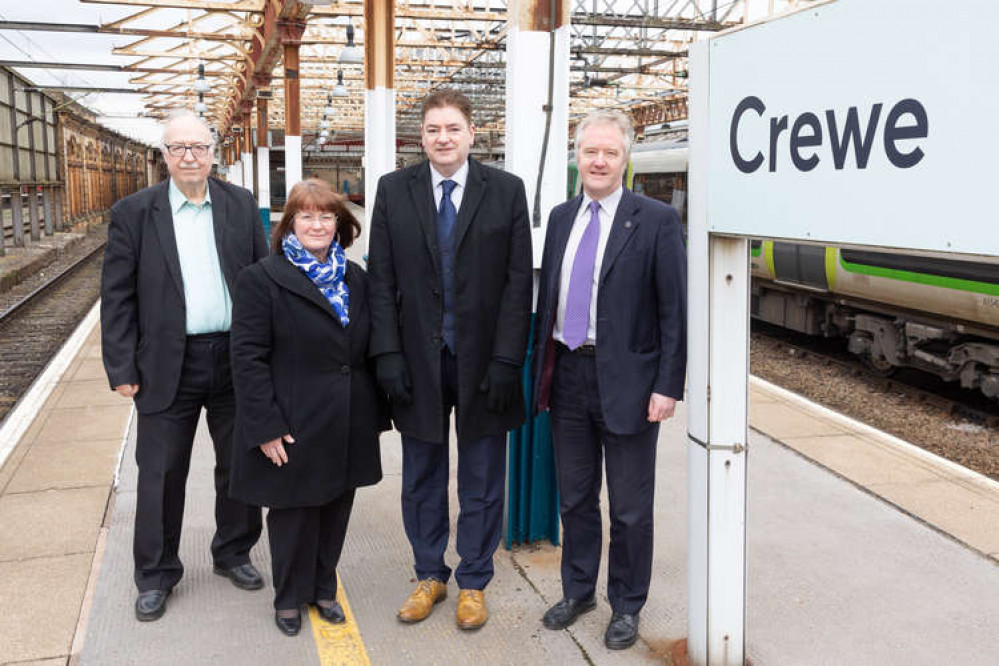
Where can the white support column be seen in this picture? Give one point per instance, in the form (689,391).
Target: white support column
(264,179)
(528,51)
(379,101)
(247,160)
(717,412)
(292,163)
(379,145)
(235,173)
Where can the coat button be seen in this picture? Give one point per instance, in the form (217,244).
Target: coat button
(435,292)
(345,369)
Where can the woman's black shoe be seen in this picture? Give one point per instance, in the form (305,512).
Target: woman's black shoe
(289,626)
(332,613)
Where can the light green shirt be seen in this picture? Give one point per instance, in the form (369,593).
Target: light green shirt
(209,308)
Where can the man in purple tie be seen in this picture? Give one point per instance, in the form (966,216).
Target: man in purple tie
(609,363)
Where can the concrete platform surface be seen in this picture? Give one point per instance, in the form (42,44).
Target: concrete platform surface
(836,576)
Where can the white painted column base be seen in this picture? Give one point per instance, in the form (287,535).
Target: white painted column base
(527,55)
(379,146)
(247,160)
(292,163)
(235,173)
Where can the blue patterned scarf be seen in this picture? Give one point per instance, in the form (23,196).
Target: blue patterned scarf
(327,276)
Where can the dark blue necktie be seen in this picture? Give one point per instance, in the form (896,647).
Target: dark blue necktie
(447,216)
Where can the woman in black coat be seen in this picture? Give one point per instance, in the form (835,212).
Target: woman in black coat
(308,414)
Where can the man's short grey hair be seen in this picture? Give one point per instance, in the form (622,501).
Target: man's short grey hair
(608,117)
(179,114)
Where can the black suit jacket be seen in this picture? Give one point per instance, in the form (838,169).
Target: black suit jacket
(641,309)
(297,370)
(493,284)
(143,316)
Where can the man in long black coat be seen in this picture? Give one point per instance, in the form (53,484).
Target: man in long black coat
(173,253)
(450,268)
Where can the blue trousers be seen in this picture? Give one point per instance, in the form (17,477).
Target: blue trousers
(425,512)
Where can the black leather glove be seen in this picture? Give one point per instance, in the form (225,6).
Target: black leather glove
(392,378)
(500,385)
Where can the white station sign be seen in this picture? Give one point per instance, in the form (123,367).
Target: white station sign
(859,122)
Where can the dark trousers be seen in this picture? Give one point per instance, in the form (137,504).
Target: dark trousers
(481,477)
(580,439)
(306,543)
(163,453)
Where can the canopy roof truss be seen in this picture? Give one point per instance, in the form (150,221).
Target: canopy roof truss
(627,54)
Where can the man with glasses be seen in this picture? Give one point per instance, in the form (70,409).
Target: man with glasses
(173,253)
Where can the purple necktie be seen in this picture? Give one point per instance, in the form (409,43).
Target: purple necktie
(577,300)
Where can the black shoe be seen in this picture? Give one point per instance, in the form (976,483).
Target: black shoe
(332,613)
(565,612)
(151,605)
(622,632)
(289,626)
(243,576)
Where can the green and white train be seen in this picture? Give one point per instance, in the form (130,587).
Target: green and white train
(940,315)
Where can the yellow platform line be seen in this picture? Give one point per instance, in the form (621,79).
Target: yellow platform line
(338,644)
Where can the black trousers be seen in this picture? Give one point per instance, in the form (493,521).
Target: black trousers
(306,543)
(481,479)
(580,440)
(163,453)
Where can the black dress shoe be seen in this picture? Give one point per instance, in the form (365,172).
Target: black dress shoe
(622,632)
(151,605)
(289,626)
(565,612)
(243,576)
(332,613)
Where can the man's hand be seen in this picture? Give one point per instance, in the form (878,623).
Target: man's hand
(661,407)
(127,390)
(500,385)
(392,378)
(275,451)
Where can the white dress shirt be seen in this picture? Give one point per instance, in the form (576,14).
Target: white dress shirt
(608,207)
(460,177)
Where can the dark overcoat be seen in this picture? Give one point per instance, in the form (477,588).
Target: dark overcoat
(493,285)
(297,370)
(641,309)
(143,313)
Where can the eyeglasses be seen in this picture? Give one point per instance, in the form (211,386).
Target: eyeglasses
(326,219)
(198,150)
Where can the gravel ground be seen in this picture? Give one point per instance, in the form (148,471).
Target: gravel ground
(893,411)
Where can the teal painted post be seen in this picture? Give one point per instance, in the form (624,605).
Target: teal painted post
(532,490)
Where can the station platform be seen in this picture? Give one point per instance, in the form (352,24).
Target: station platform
(861,550)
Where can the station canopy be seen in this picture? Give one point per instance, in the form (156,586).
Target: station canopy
(625,54)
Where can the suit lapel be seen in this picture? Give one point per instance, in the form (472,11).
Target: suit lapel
(562,230)
(423,203)
(220,227)
(162,218)
(475,188)
(289,277)
(622,230)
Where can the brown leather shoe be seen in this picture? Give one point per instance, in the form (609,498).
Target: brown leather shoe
(471,613)
(428,592)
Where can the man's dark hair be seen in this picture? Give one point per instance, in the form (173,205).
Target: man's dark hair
(447,97)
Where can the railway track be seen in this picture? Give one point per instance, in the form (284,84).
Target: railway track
(34,328)
(960,425)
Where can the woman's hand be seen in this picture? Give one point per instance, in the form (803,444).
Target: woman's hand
(275,450)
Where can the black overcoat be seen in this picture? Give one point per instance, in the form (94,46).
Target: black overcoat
(297,370)
(493,285)
(143,313)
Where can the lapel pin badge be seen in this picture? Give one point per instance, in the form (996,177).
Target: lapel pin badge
(627,225)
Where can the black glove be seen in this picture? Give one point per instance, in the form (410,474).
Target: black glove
(392,378)
(500,385)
